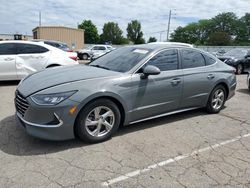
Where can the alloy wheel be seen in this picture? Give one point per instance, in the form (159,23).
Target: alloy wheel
(218,99)
(100,121)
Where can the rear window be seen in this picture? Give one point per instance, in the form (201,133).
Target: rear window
(192,59)
(30,49)
(209,60)
(7,49)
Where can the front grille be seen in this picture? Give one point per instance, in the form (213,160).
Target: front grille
(21,104)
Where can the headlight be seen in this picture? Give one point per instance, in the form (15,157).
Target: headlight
(51,99)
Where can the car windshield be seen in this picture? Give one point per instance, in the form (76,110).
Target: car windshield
(122,59)
(236,52)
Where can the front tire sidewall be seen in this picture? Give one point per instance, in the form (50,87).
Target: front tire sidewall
(209,106)
(80,122)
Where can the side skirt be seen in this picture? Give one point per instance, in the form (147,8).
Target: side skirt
(165,114)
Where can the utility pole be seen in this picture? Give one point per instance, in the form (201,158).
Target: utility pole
(40,18)
(169,19)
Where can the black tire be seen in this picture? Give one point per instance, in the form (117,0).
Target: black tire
(80,56)
(51,66)
(85,56)
(210,108)
(81,129)
(239,69)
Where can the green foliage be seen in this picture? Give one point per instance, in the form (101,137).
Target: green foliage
(152,39)
(112,34)
(219,38)
(220,30)
(134,32)
(90,32)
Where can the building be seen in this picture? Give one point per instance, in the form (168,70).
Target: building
(15,37)
(71,36)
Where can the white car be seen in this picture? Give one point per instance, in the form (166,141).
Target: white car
(95,50)
(61,45)
(21,58)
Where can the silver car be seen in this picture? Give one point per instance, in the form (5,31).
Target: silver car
(126,86)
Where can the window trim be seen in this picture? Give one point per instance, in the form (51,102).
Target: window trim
(156,53)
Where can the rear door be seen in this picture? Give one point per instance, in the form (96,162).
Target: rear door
(30,58)
(157,94)
(8,61)
(197,78)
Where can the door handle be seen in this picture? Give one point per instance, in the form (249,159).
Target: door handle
(210,76)
(175,81)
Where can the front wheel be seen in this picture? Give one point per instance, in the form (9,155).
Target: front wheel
(216,100)
(98,121)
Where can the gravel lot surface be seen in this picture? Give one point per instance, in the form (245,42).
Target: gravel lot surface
(191,149)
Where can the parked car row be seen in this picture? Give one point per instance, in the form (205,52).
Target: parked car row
(94,52)
(21,58)
(237,58)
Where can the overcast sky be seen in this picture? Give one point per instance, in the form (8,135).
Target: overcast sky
(21,16)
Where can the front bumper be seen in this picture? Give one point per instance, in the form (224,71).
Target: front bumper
(49,122)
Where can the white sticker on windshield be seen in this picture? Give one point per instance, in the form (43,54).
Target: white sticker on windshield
(140,51)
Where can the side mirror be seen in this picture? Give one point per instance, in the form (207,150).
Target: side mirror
(150,70)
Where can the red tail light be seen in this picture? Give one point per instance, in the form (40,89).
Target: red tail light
(74,58)
(70,51)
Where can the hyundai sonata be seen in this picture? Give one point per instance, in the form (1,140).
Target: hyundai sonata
(126,86)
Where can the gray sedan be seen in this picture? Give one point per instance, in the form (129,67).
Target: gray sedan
(126,86)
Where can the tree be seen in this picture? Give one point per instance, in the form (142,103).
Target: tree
(90,32)
(219,38)
(112,34)
(134,32)
(152,39)
(226,22)
(243,35)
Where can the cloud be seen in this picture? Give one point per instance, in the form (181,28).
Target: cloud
(22,16)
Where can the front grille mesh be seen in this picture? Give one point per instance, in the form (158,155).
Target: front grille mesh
(21,104)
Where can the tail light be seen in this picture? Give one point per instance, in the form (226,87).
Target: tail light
(70,51)
(75,58)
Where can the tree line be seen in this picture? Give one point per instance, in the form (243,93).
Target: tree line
(112,34)
(223,29)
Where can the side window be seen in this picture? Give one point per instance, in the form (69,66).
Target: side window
(102,48)
(209,60)
(7,49)
(166,60)
(192,59)
(30,49)
(95,48)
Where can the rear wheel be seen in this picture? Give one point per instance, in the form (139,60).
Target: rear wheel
(216,99)
(85,56)
(239,69)
(98,121)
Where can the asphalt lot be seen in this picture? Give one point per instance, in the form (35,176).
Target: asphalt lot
(191,149)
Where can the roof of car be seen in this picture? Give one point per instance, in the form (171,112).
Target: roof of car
(161,45)
(44,40)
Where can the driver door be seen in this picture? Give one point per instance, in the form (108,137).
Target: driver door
(157,94)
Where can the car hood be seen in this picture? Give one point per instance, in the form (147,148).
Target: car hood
(60,75)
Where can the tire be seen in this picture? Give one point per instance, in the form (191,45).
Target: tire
(85,56)
(211,107)
(239,69)
(51,66)
(99,113)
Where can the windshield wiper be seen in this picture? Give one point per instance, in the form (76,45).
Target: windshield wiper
(99,66)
